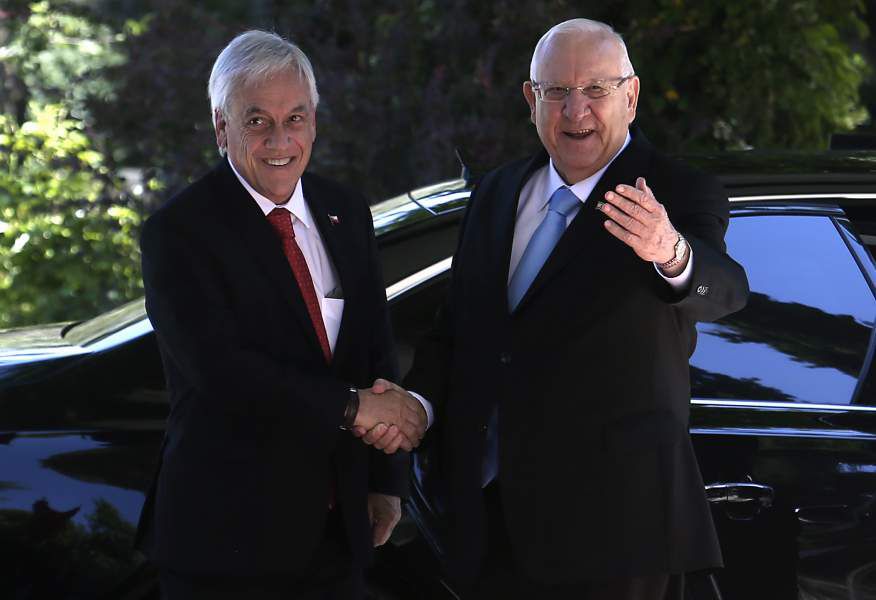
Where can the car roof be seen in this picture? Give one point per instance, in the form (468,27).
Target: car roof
(761,173)
(766,164)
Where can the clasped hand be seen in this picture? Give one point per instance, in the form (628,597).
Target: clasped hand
(389,418)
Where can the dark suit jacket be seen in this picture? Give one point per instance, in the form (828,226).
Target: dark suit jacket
(253,438)
(596,469)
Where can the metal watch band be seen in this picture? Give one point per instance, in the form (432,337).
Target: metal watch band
(677,258)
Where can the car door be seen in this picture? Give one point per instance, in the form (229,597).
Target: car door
(783,417)
(79,437)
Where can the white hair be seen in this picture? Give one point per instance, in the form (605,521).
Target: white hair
(254,55)
(587,27)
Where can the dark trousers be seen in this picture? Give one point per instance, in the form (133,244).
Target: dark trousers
(502,577)
(332,575)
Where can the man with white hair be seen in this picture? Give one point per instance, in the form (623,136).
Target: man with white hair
(264,287)
(558,366)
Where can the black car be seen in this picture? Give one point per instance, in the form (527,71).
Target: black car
(783,414)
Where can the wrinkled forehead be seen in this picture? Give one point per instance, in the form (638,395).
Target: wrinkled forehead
(572,56)
(286,85)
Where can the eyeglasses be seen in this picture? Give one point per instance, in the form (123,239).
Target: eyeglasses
(600,88)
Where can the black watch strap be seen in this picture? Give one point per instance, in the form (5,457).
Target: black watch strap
(352,409)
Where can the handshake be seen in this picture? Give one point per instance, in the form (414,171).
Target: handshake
(389,418)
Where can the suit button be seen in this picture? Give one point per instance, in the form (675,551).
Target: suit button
(483,428)
(505,358)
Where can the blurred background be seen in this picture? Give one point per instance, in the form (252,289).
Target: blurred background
(104,114)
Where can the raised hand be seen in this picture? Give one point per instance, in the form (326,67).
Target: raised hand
(637,219)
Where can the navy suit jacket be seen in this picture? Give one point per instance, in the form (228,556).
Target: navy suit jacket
(253,443)
(590,374)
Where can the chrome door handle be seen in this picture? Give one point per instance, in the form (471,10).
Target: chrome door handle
(742,501)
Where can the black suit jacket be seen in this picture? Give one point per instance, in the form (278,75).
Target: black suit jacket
(596,468)
(253,440)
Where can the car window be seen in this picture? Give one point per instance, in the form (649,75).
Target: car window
(804,335)
(413,313)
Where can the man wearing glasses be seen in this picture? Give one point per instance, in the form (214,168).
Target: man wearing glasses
(558,367)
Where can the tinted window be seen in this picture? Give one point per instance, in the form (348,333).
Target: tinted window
(805,332)
(413,315)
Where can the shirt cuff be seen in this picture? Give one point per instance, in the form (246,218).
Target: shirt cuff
(427,406)
(681,281)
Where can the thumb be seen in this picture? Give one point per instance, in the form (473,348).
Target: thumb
(382,529)
(380,386)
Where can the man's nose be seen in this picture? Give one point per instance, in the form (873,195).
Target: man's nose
(577,105)
(278,138)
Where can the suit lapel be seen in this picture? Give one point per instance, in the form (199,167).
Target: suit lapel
(322,204)
(502,233)
(586,240)
(241,215)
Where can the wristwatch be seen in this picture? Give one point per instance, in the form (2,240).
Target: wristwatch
(680,251)
(352,409)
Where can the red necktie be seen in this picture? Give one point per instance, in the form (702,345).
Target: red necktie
(281,220)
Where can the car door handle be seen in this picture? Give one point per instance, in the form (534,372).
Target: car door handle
(742,501)
(827,516)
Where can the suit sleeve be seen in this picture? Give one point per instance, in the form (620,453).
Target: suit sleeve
(718,284)
(188,308)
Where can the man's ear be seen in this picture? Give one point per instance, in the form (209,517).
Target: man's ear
(632,98)
(220,125)
(529,94)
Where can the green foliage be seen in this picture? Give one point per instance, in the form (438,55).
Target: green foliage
(68,245)
(61,57)
(774,74)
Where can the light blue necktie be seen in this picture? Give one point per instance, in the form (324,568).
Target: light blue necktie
(541,244)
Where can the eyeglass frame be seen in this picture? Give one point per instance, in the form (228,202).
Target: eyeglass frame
(538,86)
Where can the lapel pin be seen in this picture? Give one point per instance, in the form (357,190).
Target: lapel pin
(333,219)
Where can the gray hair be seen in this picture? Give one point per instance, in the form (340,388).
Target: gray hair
(584,26)
(255,55)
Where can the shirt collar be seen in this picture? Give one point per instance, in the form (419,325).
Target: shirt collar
(295,204)
(582,188)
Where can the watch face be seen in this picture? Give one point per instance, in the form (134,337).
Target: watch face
(680,246)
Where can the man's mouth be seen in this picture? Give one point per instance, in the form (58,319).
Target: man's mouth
(278,162)
(578,134)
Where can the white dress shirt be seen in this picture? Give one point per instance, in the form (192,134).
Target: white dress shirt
(322,270)
(533,206)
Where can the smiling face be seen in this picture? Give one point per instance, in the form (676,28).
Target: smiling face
(269,133)
(581,134)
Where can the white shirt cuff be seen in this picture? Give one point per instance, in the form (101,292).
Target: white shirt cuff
(427,406)
(681,281)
